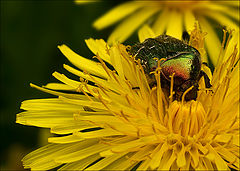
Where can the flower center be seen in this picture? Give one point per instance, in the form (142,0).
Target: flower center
(185,119)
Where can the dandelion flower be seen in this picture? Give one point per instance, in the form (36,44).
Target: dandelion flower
(172,17)
(101,122)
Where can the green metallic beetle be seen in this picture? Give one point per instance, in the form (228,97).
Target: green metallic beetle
(178,58)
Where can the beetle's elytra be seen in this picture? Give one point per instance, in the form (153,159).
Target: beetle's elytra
(179,58)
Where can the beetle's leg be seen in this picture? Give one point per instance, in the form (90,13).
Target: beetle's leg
(205,63)
(206,79)
(185,37)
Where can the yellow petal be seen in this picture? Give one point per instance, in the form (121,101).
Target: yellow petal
(78,86)
(117,61)
(61,77)
(174,27)
(230,157)
(56,93)
(231,8)
(212,41)
(81,164)
(117,14)
(44,118)
(121,164)
(156,158)
(71,127)
(195,156)
(167,160)
(200,166)
(43,158)
(128,26)
(181,160)
(101,118)
(83,63)
(208,164)
(34,155)
(53,104)
(105,162)
(104,83)
(58,86)
(132,144)
(65,139)
(145,32)
(81,153)
(188,161)
(234,41)
(220,163)
(189,20)
(232,13)
(117,141)
(160,24)
(100,47)
(98,133)
(80,103)
(222,19)
(144,165)
(143,153)
(225,138)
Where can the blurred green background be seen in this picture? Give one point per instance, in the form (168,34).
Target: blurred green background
(30,33)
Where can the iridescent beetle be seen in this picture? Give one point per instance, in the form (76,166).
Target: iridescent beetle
(178,58)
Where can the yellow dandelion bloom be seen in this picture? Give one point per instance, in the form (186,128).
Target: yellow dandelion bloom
(172,18)
(101,122)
